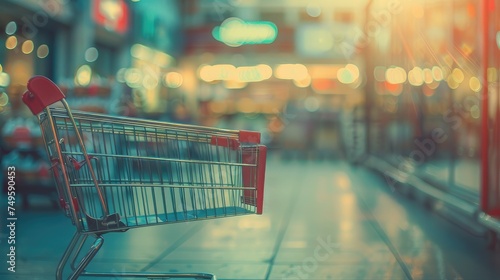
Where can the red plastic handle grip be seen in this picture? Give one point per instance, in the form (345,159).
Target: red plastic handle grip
(41,93)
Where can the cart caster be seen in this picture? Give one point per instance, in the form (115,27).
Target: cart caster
(492,239)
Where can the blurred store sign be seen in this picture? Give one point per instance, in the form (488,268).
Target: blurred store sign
(112,14)
(201,39)
(235,32)
(235,75)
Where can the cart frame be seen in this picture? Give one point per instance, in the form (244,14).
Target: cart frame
(227,180)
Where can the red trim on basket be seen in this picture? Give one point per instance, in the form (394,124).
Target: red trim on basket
(249,175)
(249,137)
(254,176)
(494,213)
(41,93)
(261,177)
(244,136)
(225,142)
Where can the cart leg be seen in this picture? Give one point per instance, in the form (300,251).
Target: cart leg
(77,243)
(87,258)
(66,255)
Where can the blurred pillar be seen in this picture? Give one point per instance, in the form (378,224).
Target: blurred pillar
(370,86)
(82,36)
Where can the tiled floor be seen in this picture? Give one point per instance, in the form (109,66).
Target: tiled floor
(323,220)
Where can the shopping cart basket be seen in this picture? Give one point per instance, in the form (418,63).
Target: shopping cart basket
(113,173)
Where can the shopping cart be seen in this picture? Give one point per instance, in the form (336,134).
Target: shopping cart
(113,173)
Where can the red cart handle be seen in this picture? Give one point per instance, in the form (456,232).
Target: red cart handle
(41,93)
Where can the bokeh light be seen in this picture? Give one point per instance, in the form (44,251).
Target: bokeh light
(313,10)
(27,47)
(475,84)
(11,42)
(4,79)
(416,77)
(11,28)
(91,54)
(4,99)
(42,51)
(173,79)
(83,75)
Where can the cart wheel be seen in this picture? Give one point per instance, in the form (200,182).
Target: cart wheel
(492,239)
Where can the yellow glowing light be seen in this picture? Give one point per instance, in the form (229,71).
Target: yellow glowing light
(224,72)
(475,84)
(162,59)
(133,77)
(353,69)
(27,47)
(150,82)
(257,73)
(437,74)
(42,51)
(458,75)
(395,75)
(427,75)
(265,70)
(205,73)
(415,76)
(1,68)
(349,74)
(291,71)
(4,79)
(11,42)
(83,75)
(173,79)
(234,84)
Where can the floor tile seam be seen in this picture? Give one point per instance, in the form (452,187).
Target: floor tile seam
(285,223)
(181,240)
(382,234)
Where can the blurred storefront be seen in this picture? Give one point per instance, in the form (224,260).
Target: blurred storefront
(32,42)
(426,102)
(276,68)
(85,47)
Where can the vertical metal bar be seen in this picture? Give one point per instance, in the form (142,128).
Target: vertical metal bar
(484,111)
(64,171)
(87,160)
(67,253)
